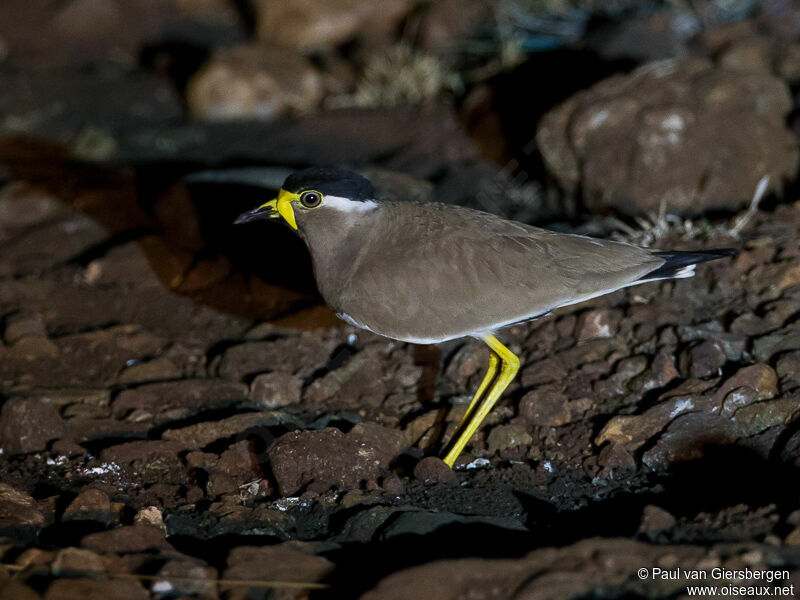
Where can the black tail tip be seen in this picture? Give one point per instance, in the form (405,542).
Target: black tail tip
(676,260)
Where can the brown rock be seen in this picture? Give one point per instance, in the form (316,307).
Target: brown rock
(18,509)
(687,438)
(152,516)
(503,437)
(432,470)
(276,390)
(546,406)
(298,355)
(90,505)
(29,424)
(79,559)
(329,458)
(127,539)
(632,431)
(757,382)
(150,370)
(704,359)
(202,434)
(655,519)
(160,403)
(254,82)
(598,323)
(283,562)
(91,589)
(187,578)
(319,23)
(146,462)
(635,137)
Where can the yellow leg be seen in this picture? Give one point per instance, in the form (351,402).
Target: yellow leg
(509,365)
(487,379)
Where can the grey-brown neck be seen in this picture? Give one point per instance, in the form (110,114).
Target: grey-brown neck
(338,238)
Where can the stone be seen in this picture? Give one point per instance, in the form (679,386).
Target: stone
(297,355)
(186,578)
(80,559)
(655,519)
(431,470)
(633,431)
(315,24)
(18,510)
(159,403)
(90,505)
(504,437)
(150,370)
(687,437)
(283,562)
(145,462)
(704,359)
(23,205)
(151,516)
(92,589)
(254,82)
(29,425)
(598,323)
(202,434)
(546,406)
(276,390)
(19,326)
(329,458)
(760,378)
(127,539)
(630,141)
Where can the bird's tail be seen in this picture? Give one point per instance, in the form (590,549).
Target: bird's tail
(681,264)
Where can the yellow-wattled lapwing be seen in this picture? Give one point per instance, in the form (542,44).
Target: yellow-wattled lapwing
(426,272)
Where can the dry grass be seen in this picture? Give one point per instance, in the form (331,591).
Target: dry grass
(655,227)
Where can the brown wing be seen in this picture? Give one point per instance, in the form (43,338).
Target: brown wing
(433,272)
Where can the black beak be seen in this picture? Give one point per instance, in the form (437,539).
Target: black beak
(262,212)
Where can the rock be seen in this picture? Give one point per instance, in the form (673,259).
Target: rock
(632,431)
(159,403)
(276,390)
(313,24)
(186,578)
(503,437)
(90,505)
(238,465)
(760,378)
(598,323)
(687,438)
(448,22)
(91,589)
(635,137)
(128,539)
(755,418)
(145,462)
(202,434)
(150,516)
(150,370)
(782,340)
(655,519)
(704,359)
(788,368)
(23,205)
(329,458)
(29,424)
(431,470)
(254,82)
(546,406)
(423,522)
(18,510)
(298,355)
(19,326)
(283,562)
(79,559)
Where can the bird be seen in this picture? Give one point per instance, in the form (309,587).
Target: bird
(428,272)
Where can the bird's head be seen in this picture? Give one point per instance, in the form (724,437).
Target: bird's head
(315,191)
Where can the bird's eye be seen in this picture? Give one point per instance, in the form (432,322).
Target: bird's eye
(310,199)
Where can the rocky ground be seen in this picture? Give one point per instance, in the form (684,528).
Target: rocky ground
(181,417)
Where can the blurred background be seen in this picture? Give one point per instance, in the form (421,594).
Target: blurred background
(176,402)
